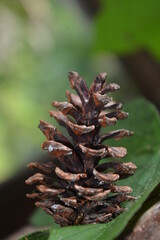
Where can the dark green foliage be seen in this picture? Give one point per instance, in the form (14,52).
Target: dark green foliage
(125,26)
(42,235)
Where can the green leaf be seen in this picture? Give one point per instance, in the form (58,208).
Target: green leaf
(41,235)
(39,218)
(144,151)
(125,26)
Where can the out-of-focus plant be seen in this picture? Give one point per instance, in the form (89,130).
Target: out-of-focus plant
(39,43)
(123,27)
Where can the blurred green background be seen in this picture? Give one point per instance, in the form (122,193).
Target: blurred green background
(40,41)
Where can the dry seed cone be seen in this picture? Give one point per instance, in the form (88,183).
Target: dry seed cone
(74,187)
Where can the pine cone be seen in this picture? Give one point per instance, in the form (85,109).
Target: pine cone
(74,187)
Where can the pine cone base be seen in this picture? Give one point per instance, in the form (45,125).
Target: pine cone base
(75,187)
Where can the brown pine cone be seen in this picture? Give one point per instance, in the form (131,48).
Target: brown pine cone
(74,188)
